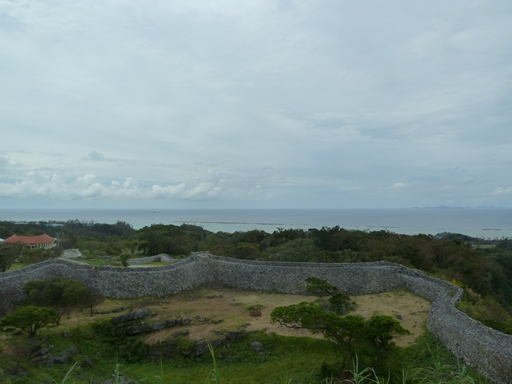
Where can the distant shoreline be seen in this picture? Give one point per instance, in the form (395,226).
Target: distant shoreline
(475,222)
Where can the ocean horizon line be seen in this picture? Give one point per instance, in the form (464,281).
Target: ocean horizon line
(476,222)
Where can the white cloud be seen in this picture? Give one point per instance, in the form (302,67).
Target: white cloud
(399,185)
(502,191)
(88,186)
(169,191)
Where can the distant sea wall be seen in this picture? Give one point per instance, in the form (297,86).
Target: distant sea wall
(477,345)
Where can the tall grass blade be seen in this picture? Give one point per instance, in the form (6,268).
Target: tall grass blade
(70,371)
(161,376)
(214,376)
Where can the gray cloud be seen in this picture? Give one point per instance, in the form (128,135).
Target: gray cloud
(272,103)
(96,156)
(4,162)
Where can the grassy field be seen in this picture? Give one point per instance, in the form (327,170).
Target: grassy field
(285,359)
(288,356)
(16,266)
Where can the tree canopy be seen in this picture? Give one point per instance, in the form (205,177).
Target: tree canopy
(8,254)
(31,318)
(351,333)
(56,291)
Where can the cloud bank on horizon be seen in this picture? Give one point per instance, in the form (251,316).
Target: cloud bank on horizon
(275,104)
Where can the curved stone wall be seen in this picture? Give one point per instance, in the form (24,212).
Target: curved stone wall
(477,345)
(150,259)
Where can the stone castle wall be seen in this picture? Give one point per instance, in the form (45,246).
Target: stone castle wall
(477,345)
(150,259)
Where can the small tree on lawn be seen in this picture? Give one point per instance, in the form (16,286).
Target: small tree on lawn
(92,299)
(328,318)
(31,318)
(371,340)
(124,259)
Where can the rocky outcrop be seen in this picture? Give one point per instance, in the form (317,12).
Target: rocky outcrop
(135,329)
(177,346)
(130,316)
(41,355)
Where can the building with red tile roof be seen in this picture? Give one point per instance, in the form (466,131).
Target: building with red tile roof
(33,242)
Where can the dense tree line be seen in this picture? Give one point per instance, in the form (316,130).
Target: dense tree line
(99,239)
(482,267)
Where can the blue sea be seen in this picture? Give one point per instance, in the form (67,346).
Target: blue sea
(484,223)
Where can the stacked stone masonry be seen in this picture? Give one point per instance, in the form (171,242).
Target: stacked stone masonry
(151,259)
(489,351)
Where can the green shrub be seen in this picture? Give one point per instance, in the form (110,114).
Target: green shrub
(254,307)
(56,291)
(31,318)
(124,259)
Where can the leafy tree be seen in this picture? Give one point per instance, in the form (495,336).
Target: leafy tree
(344,331)
(301,249)
(372,337)
(32,256)
(247,251)
(124,259)
(381,329)
(505,244)
(31,318)
(338,302)
(341,330)
(170,239)
(320,287)
(254,236)
(92,299)
(74,293)
(335,238)
(56,291)
(282,236)
(8,254)
(486,310)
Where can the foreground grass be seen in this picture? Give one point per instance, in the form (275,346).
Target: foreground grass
(283,360)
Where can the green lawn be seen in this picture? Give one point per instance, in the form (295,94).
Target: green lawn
(16,266)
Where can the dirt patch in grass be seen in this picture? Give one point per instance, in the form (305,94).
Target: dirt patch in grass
(217,310)
(410,310)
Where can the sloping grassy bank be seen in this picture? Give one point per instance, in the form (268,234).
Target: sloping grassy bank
(282,360)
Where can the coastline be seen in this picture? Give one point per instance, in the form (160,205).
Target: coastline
(476,222)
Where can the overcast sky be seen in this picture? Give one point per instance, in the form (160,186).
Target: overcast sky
(255,104)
